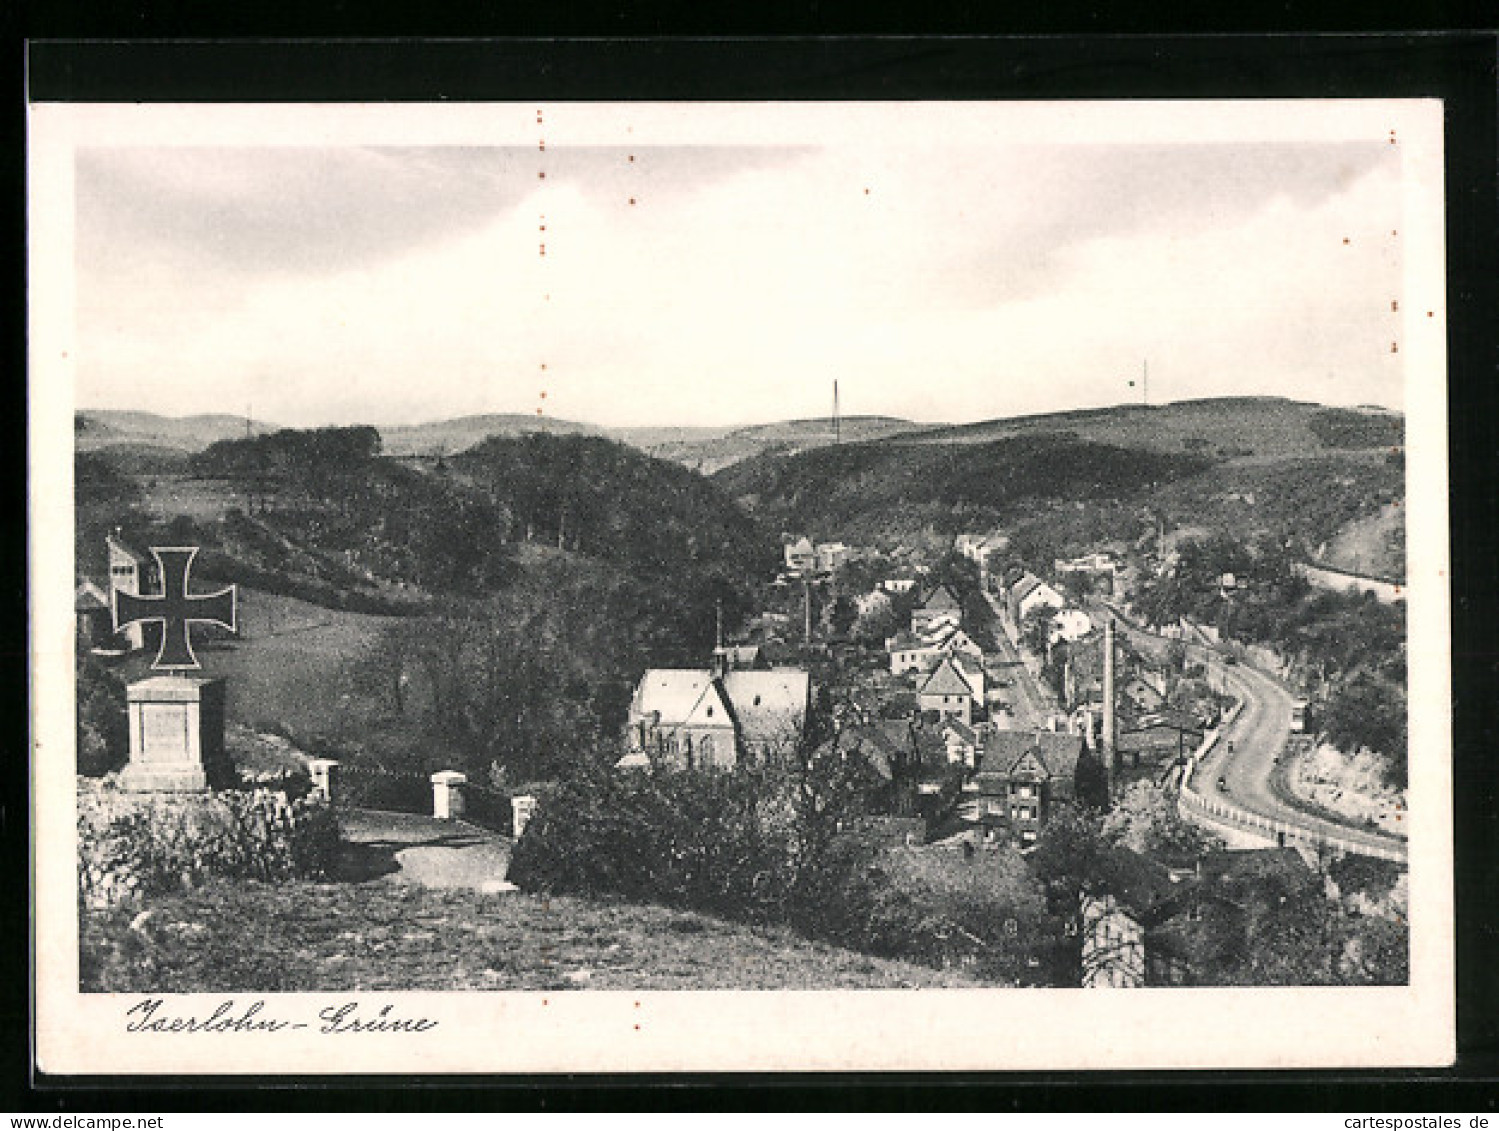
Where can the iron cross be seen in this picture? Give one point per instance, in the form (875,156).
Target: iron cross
(175,608)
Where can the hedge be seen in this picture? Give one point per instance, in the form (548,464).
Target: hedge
(137,844)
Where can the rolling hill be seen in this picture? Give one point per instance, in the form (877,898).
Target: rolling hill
(99,428)
(1064,481)
(887,489)
(712,453)
(705,449)
(1227,427)
(447,437)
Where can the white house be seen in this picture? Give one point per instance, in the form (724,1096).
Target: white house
(831,555)
(1030,592)
(913,652)
(1070,625)
(949,690)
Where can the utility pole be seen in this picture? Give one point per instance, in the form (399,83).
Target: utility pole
(807,611)
(837,419)
(1145,380)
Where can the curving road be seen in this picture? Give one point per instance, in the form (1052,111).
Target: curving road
(1258,736)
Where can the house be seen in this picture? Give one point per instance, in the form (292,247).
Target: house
(910,652)
(979,548)
(888,745)
(831,555)
(95,620)
(940,600)
(962,742)
(1159,737)
(872,604)
(1024,775)
(950,690)
(800,556)
(700,719)
(1124,899)
(129,570)
(1094,568)
(1070,625)
(898,584)
(739,657)
(1030,592)
(1141,694)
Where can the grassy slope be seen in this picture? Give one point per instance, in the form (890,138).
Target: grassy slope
(290,668)
(307,937)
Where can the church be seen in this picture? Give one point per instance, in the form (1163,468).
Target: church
(711,718)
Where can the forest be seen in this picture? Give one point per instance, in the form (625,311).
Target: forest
(876,491)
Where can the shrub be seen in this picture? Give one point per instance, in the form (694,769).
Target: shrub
(103,732)
(749,843)
(131,845)
(762,844)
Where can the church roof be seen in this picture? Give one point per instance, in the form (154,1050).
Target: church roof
(676,695)
(946,680)
(770,706)
(762,706)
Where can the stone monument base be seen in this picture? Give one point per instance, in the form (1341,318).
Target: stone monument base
(176,736)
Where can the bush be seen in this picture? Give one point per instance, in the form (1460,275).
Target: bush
(136,844)
(762,844)
(103,731)
(749,843)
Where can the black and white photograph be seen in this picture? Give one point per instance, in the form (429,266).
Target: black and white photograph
(714,586)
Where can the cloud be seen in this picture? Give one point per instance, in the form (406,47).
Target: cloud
(940,282)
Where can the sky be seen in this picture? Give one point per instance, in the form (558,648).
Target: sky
(721,284)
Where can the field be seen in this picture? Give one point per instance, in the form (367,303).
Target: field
(307,937)
(291,668)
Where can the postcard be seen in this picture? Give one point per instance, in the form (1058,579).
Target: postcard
(671,587)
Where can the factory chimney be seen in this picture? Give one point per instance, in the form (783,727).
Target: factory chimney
(1107,745)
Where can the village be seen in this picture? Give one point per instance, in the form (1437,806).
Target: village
(987,700)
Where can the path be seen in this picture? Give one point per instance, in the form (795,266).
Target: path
(405,848)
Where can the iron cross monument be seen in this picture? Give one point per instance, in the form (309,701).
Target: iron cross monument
(176,719)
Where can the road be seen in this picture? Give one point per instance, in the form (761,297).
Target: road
(1257,737)
(1030,706)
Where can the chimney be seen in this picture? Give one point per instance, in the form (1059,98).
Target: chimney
(1108,702)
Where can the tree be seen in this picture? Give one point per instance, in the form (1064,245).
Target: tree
(103,732)
(1035,629)
(840,615)
(1369,712)
(1146,820)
